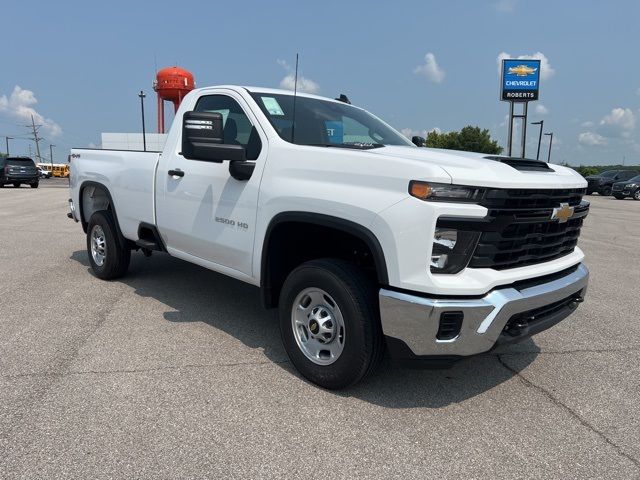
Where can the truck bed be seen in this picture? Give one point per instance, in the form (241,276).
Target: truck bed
(129,177)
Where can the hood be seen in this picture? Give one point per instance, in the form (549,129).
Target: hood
(467,168)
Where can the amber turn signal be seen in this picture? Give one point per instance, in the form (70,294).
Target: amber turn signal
(420,190)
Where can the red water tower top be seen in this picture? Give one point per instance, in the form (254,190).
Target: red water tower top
(173,83)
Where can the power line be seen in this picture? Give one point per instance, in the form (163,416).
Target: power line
(36,138)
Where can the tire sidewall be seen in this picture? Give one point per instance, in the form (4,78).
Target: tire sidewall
(636,195)
(112,259)
(353,361)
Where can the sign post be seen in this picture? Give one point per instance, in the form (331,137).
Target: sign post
(519,83)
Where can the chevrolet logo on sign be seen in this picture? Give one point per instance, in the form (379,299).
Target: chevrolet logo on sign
(522,70)
(562,213)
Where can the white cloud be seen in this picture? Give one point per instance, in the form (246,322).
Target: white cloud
(620,122)
(19,105)
(289,81)
(541,109)
(587,124)
(591,139)
(430,69)
(546,70)
(505,6)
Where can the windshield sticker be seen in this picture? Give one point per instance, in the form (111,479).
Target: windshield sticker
(335,131)
(272,106)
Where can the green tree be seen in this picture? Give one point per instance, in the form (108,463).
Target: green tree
(470,139)
(585,171)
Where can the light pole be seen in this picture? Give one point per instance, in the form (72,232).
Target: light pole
(7,140)
(550,135)
(144,133)
(51,156)
(541,123)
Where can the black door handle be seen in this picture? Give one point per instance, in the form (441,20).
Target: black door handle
(176,173)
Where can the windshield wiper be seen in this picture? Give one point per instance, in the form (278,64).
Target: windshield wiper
(353,145)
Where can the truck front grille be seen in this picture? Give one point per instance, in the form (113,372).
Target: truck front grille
(519,230)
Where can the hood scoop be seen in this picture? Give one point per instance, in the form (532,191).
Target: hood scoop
(523,164)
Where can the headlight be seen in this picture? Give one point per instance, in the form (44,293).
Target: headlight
(452,249)
(632,185)
(444,192)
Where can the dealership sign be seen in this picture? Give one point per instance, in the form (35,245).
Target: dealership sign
(520,80)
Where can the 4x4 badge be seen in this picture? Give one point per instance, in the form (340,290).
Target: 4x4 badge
(562,213)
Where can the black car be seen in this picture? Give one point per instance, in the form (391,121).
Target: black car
(603,182)
(18,170)
(630,188)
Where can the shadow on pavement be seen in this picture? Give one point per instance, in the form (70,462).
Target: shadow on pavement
(196,294)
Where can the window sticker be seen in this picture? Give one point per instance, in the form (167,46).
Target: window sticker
(335,131)
(272,106)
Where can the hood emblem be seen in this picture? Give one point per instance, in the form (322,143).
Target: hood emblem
(562,213)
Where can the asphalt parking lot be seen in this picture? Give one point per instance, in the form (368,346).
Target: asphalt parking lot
(177,372)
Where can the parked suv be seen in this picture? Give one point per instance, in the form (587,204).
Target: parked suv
(630,188)
(603,182)
(18,170)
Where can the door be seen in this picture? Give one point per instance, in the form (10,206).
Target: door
(206,212)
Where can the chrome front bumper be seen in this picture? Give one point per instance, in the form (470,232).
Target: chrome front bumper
(415,320)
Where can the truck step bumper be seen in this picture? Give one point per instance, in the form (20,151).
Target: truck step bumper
(450,328)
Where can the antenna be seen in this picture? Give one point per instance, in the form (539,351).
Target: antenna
(295,94)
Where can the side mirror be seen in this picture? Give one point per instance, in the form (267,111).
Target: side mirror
(241,170)
(203,139)
(418,141)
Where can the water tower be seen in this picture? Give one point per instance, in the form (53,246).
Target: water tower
(171,84)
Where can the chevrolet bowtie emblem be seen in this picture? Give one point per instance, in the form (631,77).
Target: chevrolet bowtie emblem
(562,213)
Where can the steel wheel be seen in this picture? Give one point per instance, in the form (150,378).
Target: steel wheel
(98,245)
(318,326)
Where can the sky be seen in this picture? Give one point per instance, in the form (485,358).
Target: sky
(77,67)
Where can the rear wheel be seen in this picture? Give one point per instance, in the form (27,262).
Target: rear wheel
(16,184)
(636,195)
(109,256)
(330,324)
(606,191)
(35,185)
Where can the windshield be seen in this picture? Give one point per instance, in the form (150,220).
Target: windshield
(610,173)
(327,124)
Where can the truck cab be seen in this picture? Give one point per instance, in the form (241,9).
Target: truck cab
(364,241)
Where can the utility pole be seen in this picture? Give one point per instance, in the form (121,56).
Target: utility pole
(51,156)
(7,140)
(541,123)
(550,135)
(144,133)
(36,138)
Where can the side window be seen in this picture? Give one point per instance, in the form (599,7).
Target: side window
(238,130)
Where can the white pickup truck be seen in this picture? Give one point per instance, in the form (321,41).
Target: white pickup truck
(361,239)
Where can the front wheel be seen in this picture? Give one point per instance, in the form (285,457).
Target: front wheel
(330,324)
(619,197)
(16,184)
(109,255)
(34,185)
(636,195)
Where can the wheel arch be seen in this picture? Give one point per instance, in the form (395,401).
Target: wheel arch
(270,284)
(103,199)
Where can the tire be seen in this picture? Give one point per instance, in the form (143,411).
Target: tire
(16,184)
(356,344)
(636,195)
(111,257)
(35,185)
(606,191)
(619,197)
